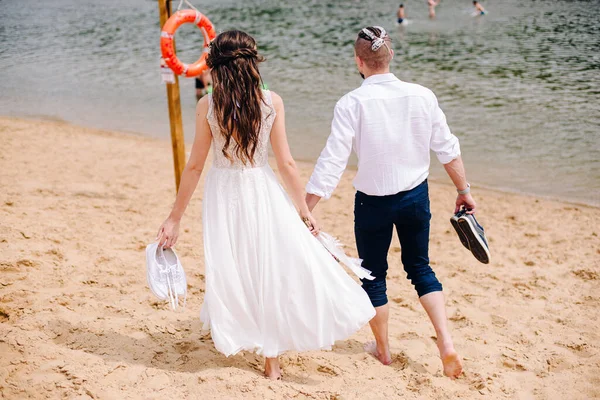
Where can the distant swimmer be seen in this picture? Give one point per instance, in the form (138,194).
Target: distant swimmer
(400,14)
(432,5)
(479,10)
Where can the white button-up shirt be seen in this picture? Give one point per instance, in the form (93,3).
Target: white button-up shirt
(392,126)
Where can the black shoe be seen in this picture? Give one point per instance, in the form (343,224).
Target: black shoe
(461,234)
(475,236)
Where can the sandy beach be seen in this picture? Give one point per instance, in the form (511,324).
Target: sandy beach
(77,321)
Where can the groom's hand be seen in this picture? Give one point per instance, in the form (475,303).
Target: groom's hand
(466,201)
(312,200)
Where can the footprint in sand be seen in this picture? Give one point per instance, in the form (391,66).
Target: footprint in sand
(8,267)
(402,303)
(499,321)
(417,382)
(27,263)
(579,348)
(326,370)
(4,316)
(56,254)
(557,363)
(512,363)
(459,319)
(409,335)
(587,274)
(185,347)
(477,382)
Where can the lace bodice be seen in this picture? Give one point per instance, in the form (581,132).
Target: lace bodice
(261,155)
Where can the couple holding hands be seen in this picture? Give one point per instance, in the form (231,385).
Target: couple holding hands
(271,287)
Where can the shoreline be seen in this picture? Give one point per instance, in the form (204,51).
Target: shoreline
(79,205)
(441,181)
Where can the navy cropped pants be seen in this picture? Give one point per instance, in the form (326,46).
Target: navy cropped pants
(374,220)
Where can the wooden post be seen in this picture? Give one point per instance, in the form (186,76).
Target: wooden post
(177,138)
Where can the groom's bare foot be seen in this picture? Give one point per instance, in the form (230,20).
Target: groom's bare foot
(383,356)
(450,360)
(272,369)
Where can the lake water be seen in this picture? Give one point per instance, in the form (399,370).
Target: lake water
(520,86)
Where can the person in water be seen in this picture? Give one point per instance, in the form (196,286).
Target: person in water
(400,14)
(432,4)
(479,10)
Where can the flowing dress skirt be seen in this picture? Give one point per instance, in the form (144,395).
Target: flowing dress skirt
(270,285)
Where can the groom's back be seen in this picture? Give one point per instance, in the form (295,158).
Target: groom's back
(398,111)
(391,124)
(394,125)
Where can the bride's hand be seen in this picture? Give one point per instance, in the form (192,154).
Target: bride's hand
(168,233)
(311,223)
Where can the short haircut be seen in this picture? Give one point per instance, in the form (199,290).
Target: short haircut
(377,59)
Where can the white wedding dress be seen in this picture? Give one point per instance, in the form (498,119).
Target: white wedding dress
(270,285)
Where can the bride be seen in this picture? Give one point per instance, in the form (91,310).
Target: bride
(271,286)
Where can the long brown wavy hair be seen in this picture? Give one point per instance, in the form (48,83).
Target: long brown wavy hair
(237,93)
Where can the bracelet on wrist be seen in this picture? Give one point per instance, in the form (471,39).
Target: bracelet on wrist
(465,190)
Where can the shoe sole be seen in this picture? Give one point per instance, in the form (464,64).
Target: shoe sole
(150,255)
(461,234)
(476,244)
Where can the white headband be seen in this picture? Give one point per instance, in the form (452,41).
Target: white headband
(376,41)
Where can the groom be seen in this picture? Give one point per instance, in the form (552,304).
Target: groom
(392,126)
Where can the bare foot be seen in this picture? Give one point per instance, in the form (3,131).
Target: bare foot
(450,360)
(385,358)
(272,369)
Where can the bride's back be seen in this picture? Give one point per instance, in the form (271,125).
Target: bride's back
(261,154)
(240,113)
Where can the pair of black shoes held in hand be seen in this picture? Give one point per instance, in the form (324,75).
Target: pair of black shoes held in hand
(471,235)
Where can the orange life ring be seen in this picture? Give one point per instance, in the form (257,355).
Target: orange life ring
(166,41)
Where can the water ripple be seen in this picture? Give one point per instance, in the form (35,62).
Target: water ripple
(520,86)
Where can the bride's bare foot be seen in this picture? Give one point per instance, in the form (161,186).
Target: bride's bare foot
(272,369)
(384,357)
(450,360)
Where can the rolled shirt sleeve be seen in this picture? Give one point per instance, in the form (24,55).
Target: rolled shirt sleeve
(443,143)
(334,157)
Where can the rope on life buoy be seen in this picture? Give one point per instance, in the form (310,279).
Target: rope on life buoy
(166,41)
